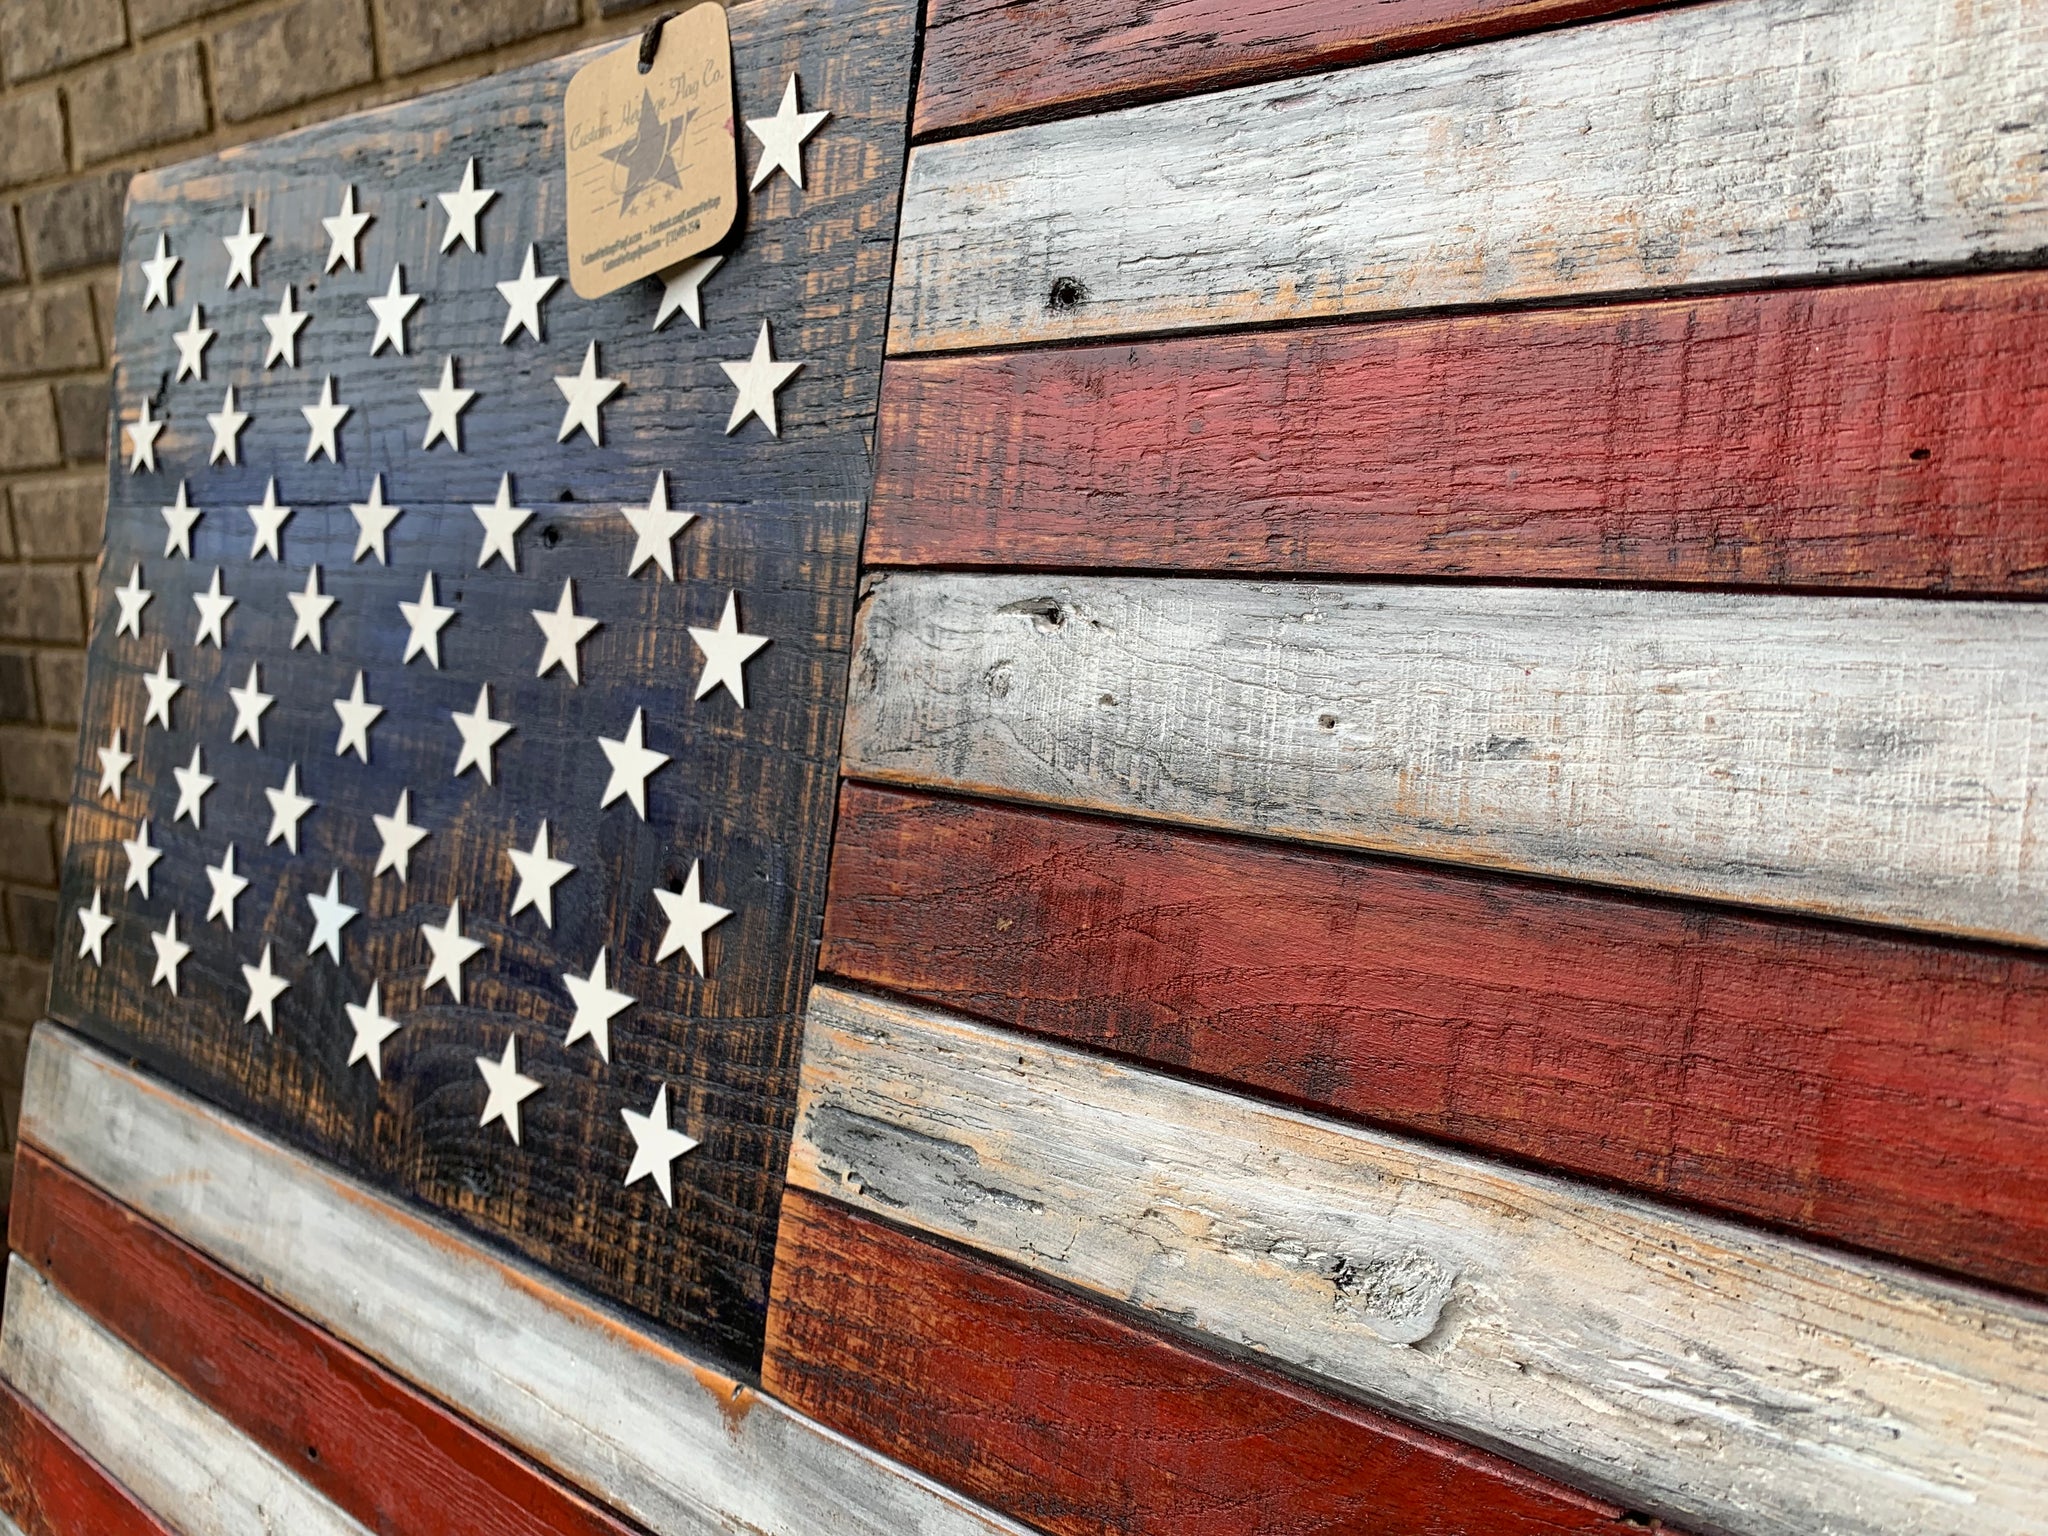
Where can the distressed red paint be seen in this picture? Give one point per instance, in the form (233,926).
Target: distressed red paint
(49,1487)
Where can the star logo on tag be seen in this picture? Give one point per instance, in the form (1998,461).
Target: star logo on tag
(649,156)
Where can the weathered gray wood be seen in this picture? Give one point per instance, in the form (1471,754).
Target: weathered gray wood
(1730,143)
(666,1440)
(1735,1380)
(1863,757)
(189,1465)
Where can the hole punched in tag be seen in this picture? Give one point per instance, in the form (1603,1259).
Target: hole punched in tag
(650,38)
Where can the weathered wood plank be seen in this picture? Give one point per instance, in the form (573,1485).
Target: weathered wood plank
(1711,1374)
(1887,1093)
(179,1457)
(1074,1419)
(1727,143)
(378,1448)
(52,1488)
(668,1441)
(1859,757)
(1890,435)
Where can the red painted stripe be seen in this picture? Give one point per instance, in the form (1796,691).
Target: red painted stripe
(1885,1092)
(49,1487)
(1893,435)
(379,1449)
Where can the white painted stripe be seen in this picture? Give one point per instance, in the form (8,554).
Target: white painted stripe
(1728,143)
(674,1444)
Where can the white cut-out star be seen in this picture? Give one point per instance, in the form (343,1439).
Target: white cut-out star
(323,419)
(309,609)
(564,629)
(463,205)
(480,733)
(757,379)
(227,886)
(227,424)
(391,308)
(655,1146)
(330,915)
(398,836)
(679,290)
(213,605)
(193,783)
(113,764)
(131,599)
(539,873)
(284,328)
(373,517)
(156,272)
(726,650)
(451,952)
(142,857)
(265,988)
(584,393)
(344,230)
(509,1088)
(523,295)
(142,433)
(445,405)
(162,688)
(597,1004)
(424,620)
(357,716)
(267,521)
(242,251)
(95,922)
(632,761)
(170,954)
(250,702)
(192,343)
(287,808)
(782,138)
(179,517)
(372,1029)
(501,521)
(655,529)
(690,917)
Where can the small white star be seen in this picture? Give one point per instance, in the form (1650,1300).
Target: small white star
(726,650)
(193,783)
(309,609)
(596,1006)
(170,954)
(509,1088)
(564,629)
(463,205)
(250,702)
(539,873)
(372,519)
(287,808)
(323,419)
(679,290)
(242,251)
(445,406)
(689,918)
(344,230)
(179,517)
(213,605)
(585,392)
(357,716)
(157,270)
(501,521)
(523,295)
(267,520)
(192,343)
(782,138)
(227,886)
(265,987)
(480,733)
(95,922)
(227,424)
(655,1146)
(424,619)
(655,529)
(142,433)
(372,1030)
(284,328)
(132,599)
(330,915)
(451,952)
(113,764)
(399,837)
(142,857)
(632,761)
(758,378)
(162,688)
(391,309)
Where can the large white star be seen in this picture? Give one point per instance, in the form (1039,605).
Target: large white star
(445,405)
(679,290)
(451,951)
(162,688)
(250,702)
(758,378)
(170,954)
(357,716)
(242,251)
(156,272)
(391,307)
(323,419)
(309,610)
(284,328)
(266,520)
(344,230)
(131,599)
(424,620)
(373,517)
(193,783)
(179,517)
(655,1146)
(480,733)
(265,988)
(463,205)
(585,392)
(372,1029)
(113,764)
(192,343)
(509,1088)
(690,917)
(782,138)
(398,836)
(142,857)
(287,808)
(227,424)
(726,650)
(226,886)
(632,761)
(330,915)
(213,605)
(597,1004)
(523,295)
(655,529)
(539,873)
(95,922)
(501,522)
(564,629)
(142,433)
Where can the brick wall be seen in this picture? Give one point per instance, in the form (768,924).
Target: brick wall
(90,91)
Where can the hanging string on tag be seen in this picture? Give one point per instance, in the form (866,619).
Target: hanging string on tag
(650,39)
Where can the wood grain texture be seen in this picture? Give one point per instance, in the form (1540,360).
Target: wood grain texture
(1858,757)
(389,1456)
(51,1488)
(1887,1093)
(1726,144)
(1891,435)
(1711,1374)
(179,1457)
(667,1440)
(1080,1422)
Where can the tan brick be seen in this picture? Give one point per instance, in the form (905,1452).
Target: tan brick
(17,689)
(422,32)
(13,268)
(82,420)
(37,36)
(41,603)
(60,519)
(48,332)
(24,988)
(31,138)
(60,686)
(621,7)
(106,294)
(32,923)
(28,429)
(6,538)
(36,765)
(75,224)
(136,102)
(28,850)
(283,57)
(150,17)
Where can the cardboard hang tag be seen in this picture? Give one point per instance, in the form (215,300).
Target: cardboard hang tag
(653,165)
